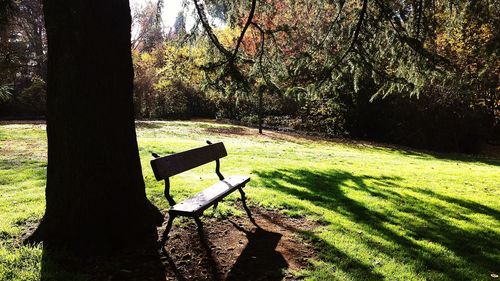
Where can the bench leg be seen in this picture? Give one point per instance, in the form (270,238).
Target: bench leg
(167,230)
(199,225)
(247,210)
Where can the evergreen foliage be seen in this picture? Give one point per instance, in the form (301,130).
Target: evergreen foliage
(422,73)
(370,69)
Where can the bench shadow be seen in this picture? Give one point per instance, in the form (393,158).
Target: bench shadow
(177,273)
(259,260)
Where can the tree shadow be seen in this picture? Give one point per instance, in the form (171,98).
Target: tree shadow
(127,266)
(133,265)
(357,268)
(421,215)
(452,157)
(15,172)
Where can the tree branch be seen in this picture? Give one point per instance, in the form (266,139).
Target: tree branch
(208,29)
(247,24)
(414,44)
(328,71)
(230,57)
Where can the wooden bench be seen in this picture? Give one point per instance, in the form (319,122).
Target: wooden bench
(168,166)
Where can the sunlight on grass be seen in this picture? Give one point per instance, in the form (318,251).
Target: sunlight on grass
(384,213)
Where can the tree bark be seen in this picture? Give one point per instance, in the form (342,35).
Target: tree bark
(95,193)
(260,109)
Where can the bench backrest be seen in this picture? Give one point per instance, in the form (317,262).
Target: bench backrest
(167,166)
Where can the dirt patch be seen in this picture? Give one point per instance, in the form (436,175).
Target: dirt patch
(19,151)
(235,249)
(274,135)
(22,122)
(240,131)
(227,249)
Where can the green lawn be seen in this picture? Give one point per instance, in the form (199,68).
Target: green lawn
(384,213)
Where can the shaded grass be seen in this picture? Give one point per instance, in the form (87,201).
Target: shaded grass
(386,213)
(430,236)
(22,178)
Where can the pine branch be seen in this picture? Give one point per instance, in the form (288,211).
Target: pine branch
(230,57)
(327,72)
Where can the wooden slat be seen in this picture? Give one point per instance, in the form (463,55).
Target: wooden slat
(203,200)
(174,164)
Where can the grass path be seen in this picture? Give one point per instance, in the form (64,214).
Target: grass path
(385,213)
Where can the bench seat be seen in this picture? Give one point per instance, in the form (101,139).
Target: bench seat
(201,201)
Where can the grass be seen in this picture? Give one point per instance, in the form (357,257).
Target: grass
(385,213)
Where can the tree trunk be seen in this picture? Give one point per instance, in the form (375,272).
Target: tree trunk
(261,93)
(95,194)
(32,17)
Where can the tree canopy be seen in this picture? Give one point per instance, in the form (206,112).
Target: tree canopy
(337,61)
(422,73)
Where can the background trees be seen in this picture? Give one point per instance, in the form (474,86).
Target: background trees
(421,73)
(22,58)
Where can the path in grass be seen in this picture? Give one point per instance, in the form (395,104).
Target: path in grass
(385,213)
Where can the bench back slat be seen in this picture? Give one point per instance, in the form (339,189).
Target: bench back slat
(174,164)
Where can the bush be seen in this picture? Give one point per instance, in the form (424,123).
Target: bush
(29,99)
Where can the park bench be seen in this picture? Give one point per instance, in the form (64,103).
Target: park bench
(168,166)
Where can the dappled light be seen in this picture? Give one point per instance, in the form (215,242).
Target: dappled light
(367,212)
(442,233)
(249,140)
